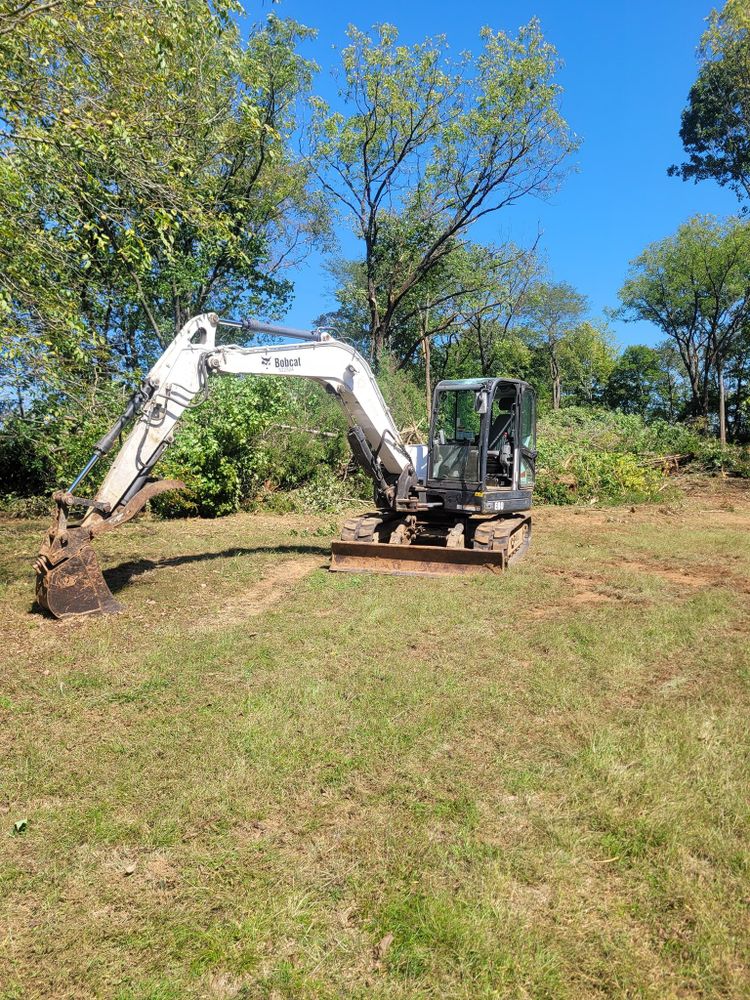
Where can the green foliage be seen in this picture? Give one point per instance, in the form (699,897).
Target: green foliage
(219,452)
(427,144)
(404,398)
(555,311)
(23,507)
(44,449)
(715,129)
(694,287)
(587,357)
(146,173)
(327,491)
(593,454)
(640,382)
(259,442)
(25,467)
(587,455)
(693,449)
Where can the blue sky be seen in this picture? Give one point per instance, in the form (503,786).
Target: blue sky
(628,68)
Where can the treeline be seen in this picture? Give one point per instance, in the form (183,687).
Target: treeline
(159,158)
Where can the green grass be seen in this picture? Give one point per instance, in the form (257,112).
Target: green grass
(259,771)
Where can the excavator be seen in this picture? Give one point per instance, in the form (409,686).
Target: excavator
(460,503)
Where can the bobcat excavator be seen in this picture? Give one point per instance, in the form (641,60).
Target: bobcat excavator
(459,503)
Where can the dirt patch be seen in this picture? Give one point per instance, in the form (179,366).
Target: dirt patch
(683,577)
(586,590)
(530,900)
(595,588)
(580,599)
(689,577)
(589,597)
(160,873)
(723,500)
(276,581)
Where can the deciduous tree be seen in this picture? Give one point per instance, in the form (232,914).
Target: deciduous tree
(639,383)
(426,145)
(695,287)
(554,313)
(715,128)
(148,174)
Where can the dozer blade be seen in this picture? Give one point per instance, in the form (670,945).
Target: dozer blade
(412,560)
(68,579)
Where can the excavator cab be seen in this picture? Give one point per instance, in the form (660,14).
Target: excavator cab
(482,447)
(469,509)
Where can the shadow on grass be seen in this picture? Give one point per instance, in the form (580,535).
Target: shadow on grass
(120,576)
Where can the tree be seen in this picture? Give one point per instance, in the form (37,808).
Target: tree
(640,383)
(146,161)
(554,312)
(587,357)
(428,145)
(695,287)
(460,312)
(490,315)
(715,128)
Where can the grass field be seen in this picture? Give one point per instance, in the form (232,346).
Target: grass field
(266,780)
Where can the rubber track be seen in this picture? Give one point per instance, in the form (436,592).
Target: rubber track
(362,528)
(494,535)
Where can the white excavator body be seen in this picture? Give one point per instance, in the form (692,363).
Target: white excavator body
(412,512)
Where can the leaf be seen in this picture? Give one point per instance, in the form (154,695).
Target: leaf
(381,948)
(20,826)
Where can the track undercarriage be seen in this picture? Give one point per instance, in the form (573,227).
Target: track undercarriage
(430,545)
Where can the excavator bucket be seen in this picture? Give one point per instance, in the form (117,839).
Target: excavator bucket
(75,586)
(69,581)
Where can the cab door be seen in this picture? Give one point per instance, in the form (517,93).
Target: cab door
(527,437)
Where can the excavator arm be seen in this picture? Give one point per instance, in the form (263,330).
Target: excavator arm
(69,581)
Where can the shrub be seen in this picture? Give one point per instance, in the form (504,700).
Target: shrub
(219,451)
(25,507)
(590,454)
(327,492)
(280,444)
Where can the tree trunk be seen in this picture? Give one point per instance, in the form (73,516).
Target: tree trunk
(722,407)
(376,328)
(672,394)
(378,343)
(736,422)
(428,375)
(427,361)
(480,342)
(698,388)
(554,368)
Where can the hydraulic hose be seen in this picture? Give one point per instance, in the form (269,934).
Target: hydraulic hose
(107,441)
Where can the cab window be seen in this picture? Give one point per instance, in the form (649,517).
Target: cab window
(455,449)
(528,424)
